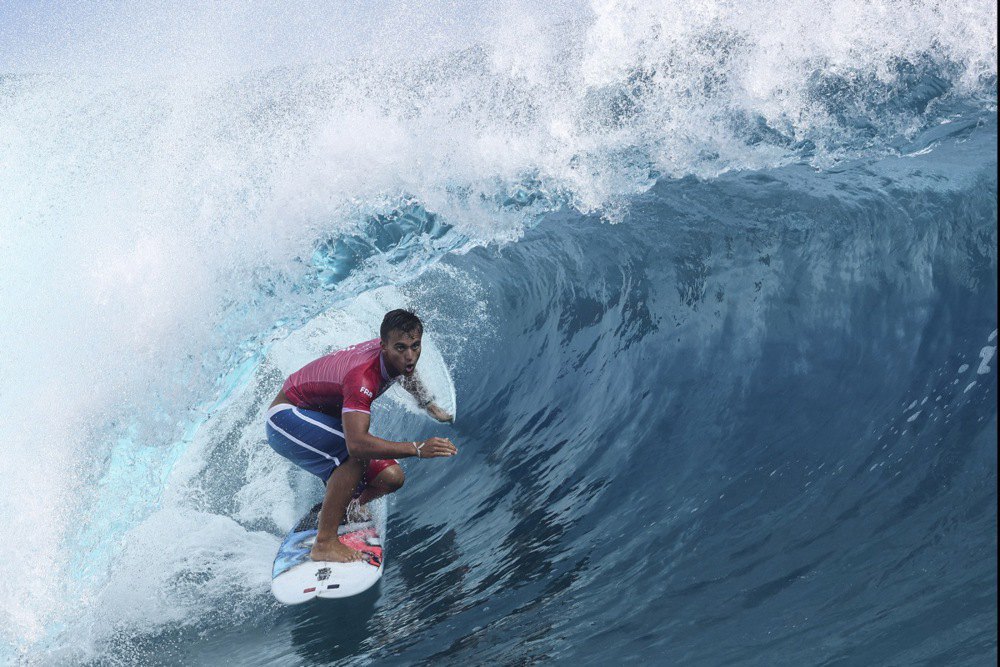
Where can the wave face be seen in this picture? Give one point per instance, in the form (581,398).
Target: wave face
(718,286)
(744,427)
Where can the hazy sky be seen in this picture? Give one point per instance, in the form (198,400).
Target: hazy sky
(170,35)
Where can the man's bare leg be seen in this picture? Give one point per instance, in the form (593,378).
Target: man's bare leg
(388,481)
(338,492)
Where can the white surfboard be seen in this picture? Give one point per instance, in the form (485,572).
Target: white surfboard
(296,578)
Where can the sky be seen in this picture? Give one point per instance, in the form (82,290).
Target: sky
(74,36)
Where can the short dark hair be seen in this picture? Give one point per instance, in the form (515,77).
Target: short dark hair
(400,320)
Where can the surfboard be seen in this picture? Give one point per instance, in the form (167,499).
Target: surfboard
(296,578)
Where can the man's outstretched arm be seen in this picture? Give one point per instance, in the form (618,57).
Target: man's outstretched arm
(364,445)
(415,386)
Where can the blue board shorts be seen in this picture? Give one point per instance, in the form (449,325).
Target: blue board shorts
(314,441)
(311,440)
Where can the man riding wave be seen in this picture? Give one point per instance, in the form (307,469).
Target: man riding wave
(320,419)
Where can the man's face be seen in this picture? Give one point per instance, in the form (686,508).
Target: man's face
(401,351)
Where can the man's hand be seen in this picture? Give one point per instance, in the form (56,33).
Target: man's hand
(439,414)
(435,447)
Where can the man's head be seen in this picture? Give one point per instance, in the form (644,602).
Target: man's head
(401,332)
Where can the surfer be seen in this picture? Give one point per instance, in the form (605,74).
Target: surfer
(320,418)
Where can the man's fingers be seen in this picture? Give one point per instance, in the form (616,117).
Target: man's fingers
(436,447)
(447,444)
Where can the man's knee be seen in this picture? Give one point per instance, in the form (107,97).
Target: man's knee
(391,479)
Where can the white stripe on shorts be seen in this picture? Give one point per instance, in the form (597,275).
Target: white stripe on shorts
(302,444)
(316,423)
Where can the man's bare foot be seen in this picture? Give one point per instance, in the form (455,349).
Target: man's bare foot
(334,551)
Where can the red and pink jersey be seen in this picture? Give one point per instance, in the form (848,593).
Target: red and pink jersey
(344,381)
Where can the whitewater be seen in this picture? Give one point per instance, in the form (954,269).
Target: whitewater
(716,283)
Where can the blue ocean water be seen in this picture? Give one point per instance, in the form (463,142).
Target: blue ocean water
(721,317)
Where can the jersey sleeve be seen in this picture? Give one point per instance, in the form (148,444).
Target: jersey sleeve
(358,393)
